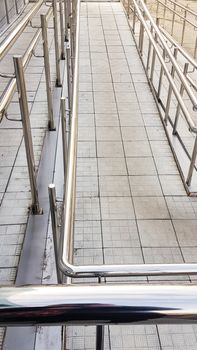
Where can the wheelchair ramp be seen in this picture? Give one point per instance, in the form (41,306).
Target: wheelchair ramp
(132,206)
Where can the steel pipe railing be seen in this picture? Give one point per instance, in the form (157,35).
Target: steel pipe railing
(98,305)
(9,41)
(11,87)
(159,43)
(66,239)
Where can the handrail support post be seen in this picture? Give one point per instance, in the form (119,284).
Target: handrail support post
(20,79)
(51,124)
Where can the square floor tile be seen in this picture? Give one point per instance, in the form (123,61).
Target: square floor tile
(120,233)
(114,186)
(141,166)
(157,233)
(133,133)
(110,149)
(172,185)
(112,166)
(117,208)
(150,208)
(109,133)
(186,232)
(137,149)
(145,186)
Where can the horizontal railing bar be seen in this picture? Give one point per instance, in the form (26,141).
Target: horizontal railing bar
(7,96)
(179,15)
(66,238)
(178,70)
(181,6)
(9,41)
(180,48)
(98,304)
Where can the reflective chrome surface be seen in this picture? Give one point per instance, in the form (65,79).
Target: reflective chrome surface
(99,304)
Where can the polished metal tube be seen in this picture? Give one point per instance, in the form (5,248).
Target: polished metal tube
(167,109)
(51,124)
(62,34)
(56,40)
(6,11)
(64,136)
(11,87)
(98,305)
(178,70)
(54,224)
(7,43)
(20,79)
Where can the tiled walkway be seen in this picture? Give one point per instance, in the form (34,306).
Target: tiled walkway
(131,204)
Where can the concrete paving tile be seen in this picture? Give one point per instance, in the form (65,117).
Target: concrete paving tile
(166,166)
(114,186)
(87,167)
(110,149)
(117,208)
(108,133)
(141,166)
(87,234)
(106,120)
(150,208)
(87,209)
(145,186)
(137,149)
(181,207)
(133,133)
(112,166)
(172,185)
(86,149)
(87,186)
(120,233)
(122,255)
(186,232)
(86,134)
(157,233)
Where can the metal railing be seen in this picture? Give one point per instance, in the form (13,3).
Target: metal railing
(178,20)
(20,64)
(98,305)
(64,241)
(10,11)
(158,50)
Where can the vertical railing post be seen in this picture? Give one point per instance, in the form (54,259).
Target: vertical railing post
(6,11)
(66,20)
(141,36)
(20,79)
(128,8)
(62,35)
(47,72)
(192,163)
(57,53)
(170,89)
(134,19)
(64,137)
(149,52)
(173,19)
(54,224)
(161,77)
(100,333)
(183,30)
(69,78)
(16,5)
(154,55)
(195,48)
(186,66)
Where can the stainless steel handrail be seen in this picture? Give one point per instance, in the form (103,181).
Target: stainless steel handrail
(66,239)
(181,6)
(98,305)
(8,94)
(9,41)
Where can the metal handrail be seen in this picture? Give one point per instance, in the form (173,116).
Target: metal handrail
(9,41)
(65,254)
(178,14)
(181,6)
(8,93)
(98,305)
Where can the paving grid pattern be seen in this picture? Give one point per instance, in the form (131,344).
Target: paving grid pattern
(15,194)
(131,204)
